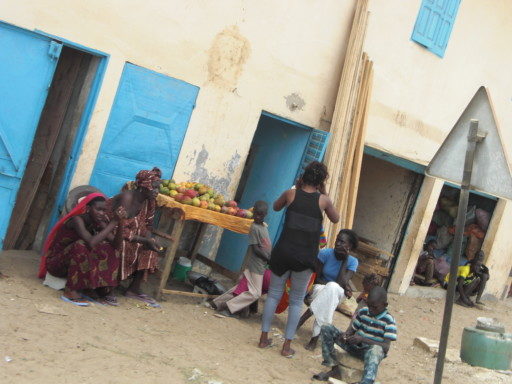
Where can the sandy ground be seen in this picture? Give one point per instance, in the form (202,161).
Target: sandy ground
(184,343)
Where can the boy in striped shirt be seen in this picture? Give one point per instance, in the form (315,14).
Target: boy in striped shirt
(368,338)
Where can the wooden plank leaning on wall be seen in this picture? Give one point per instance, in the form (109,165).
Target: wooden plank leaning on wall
(348,127)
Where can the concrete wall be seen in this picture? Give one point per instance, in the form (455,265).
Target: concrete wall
(245,56)
(498,249)
(417,96)
(381,201)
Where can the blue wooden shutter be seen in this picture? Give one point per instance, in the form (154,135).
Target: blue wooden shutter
(315,149)
(434,24)
(146,128)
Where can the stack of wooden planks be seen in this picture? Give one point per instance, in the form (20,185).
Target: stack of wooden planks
(373,260)
(348,129)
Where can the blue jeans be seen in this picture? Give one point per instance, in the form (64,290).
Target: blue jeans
(298,288)
(371,354)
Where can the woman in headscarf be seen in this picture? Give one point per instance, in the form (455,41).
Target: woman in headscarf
(138,248)
(80,248)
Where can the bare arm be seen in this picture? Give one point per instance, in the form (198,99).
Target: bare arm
(328,207)
(460,289)
(357,339)
(344,278)
(260,252)
(78,224)
(284,200)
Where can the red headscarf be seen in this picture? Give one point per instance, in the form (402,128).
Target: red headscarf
(78,210)
(145,179)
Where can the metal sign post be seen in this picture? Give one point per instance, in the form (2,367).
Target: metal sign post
(484,167)
(474,138)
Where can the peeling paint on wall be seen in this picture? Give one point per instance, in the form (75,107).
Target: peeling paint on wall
(226,57)
(219,183)
(294,102)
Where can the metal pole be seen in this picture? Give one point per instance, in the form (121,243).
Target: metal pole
(473,138)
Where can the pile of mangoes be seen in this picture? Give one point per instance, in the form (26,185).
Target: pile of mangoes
(202,196)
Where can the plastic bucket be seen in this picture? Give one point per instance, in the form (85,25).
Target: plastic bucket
(182,267)
(486,349)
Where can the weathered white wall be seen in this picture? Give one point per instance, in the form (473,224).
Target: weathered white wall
(246,56)
(498,249)
(381,201)
(417,96)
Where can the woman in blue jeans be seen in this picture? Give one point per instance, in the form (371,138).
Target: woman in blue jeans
(295,253)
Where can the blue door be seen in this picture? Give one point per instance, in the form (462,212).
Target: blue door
(27,64)
(146,127)
(280,147)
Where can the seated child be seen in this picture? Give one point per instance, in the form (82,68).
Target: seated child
(471,280)
(367,338)
(424,273)
(257,256)
(369,282)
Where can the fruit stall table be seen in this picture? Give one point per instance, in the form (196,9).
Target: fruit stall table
(181,213)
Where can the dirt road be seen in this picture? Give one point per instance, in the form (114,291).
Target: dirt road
(184,343)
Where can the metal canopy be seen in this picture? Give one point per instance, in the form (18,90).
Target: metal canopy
(491,173)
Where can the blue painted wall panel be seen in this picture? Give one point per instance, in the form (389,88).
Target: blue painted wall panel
(146,127)
(26,71)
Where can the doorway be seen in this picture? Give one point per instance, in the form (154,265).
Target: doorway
(279,149)
(388,189)
(56,141)
(442,226)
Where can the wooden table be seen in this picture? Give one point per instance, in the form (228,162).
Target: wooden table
(180,213)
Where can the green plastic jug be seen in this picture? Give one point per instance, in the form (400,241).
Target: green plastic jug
(486,349)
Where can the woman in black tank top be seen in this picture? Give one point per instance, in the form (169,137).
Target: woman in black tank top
(295,253)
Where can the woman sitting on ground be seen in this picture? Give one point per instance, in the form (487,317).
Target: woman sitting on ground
(80,248)
(138,248)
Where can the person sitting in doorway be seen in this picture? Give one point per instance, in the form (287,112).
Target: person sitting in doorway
(425,273)
(335,268)
(471,280)
(139,249)
(368,338)
(80,248)
(256,259)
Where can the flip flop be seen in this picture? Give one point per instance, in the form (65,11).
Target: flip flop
(226,313)
(144,298)
(269,345)
(75,302)
(111,300)
(89,298)
(323,376)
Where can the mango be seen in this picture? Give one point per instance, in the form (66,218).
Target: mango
(186,200)
(196,202)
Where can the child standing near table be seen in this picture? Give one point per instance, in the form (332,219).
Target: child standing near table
(256,259)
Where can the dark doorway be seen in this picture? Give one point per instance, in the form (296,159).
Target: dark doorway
(51,149)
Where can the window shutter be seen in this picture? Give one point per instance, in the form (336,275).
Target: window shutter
(315,149)
(435,23)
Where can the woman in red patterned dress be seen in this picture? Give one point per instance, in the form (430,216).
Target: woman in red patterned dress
(138,249)
(80,248)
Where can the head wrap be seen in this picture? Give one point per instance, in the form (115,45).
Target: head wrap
(145,178)
(79,209)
